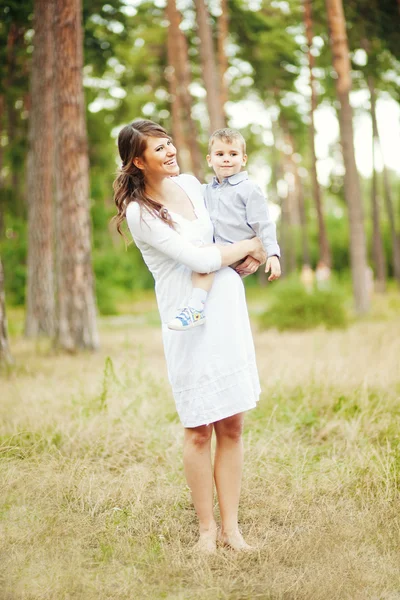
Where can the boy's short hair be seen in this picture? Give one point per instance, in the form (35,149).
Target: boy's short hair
(227,135)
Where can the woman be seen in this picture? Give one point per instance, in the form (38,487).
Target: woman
(212,369)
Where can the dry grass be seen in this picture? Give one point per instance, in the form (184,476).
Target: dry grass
(94,504)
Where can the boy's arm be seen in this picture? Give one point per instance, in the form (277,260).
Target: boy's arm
(257,215)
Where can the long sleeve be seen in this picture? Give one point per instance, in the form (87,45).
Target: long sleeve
(258,218)
(157,234)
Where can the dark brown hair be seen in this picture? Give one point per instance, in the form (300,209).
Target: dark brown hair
(129,185)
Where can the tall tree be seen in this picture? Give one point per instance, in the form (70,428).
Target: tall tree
(183,125)
(305,246)
(223,32)
(392,221)
(210,72)
(5,354)
(40,276)
(377,242)
(324,249)
(2,207)
(76,308)
(341,64)
(172,73)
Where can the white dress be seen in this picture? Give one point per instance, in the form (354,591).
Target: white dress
(212,368)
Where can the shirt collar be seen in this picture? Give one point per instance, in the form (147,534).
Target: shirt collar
(233,179)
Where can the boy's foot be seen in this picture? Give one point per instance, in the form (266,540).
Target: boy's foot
(187,319)
(234,540)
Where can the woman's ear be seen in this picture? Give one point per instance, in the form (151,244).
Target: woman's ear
(138,162)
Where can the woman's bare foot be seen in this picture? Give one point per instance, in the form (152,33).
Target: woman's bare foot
(207,543)
(234,539)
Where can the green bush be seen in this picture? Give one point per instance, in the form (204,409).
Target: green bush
(292,307)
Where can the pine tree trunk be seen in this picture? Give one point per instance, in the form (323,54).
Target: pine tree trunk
(223,32)
(40,285)
(76,307)
(5,355)
(392,224)
(388,203)
(303,219)
(324,248)
(2,202)
(210,72)
(189,150)
(15,46)
(341,64)
(377,243)
(174,32)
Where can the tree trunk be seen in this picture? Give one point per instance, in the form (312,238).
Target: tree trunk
(303,218)
(377,243)
(392,224)
(40,278)
(2,198)
(76,307)
(210,73)
(341,64)
(180,80)
(324,249)
(223,32)
(184,158)
(388,203)
(5,355)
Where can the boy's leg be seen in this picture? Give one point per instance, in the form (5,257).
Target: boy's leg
(202,284)
(192,315)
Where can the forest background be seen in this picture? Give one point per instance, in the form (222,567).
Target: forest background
(194,67)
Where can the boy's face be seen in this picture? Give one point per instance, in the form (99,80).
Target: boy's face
(226,158)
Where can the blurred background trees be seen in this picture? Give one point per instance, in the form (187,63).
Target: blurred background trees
(272,69)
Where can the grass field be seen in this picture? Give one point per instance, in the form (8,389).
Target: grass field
(94,504)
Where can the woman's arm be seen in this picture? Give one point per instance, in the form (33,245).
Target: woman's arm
(234,252)
(159,235)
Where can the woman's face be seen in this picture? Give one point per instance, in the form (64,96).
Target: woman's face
(159,159)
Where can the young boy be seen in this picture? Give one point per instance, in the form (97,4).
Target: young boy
(238,211)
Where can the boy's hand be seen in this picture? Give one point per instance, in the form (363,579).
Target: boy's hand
(274,266)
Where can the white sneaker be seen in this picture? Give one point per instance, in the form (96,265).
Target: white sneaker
(187,319)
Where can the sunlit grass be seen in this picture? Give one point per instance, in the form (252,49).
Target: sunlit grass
(94,503)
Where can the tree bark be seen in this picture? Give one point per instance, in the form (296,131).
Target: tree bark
(184,158)
(5,354)
(324,248)
(377,243)
(2,202)
(303,219)
(388,202)
(210,73)
(15,40)
(223,32)
(341,64)
(181,106)
(76,307)
(392,223)
(40,278)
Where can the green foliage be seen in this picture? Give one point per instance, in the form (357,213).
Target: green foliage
(293,308)
(13,251)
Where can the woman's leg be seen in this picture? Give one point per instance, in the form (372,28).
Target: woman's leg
(228,466)
(199,476)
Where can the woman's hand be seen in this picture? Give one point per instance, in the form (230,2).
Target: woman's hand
(247,267)
(257,251)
